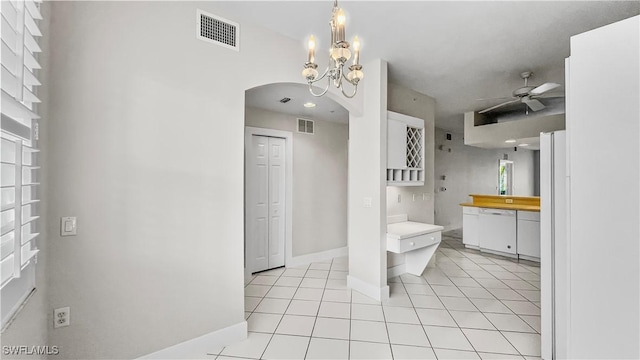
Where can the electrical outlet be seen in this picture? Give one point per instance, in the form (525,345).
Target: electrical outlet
(61,317)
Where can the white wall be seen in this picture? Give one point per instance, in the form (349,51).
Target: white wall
(367,226)
(146,149)
(603,145)
(472,170)
(319,180)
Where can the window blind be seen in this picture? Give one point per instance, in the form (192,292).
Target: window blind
(18,156)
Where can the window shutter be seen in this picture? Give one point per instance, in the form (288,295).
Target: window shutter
(19,173)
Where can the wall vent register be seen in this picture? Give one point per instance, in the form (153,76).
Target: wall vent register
(217,30)
(305,126)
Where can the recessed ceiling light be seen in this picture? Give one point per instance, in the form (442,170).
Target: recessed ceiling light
(523,145)
(309,105)
(510,141)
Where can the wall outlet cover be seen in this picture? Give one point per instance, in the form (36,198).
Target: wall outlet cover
(61,317)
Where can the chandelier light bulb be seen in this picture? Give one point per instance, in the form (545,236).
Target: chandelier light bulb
(356,49)
(312,49)
(341,17)
(356,43)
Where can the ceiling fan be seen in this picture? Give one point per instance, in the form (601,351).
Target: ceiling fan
(527,94)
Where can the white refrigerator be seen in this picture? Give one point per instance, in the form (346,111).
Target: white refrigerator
(590,191)
(553,243)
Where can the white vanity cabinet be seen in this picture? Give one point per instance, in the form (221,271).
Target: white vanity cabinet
(529,235)
(417,241)
(405,150)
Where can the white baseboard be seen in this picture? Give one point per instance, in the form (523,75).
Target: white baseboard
(247,276)
(530,258)
(396,270)
(513,256)
(317,257)
(374,292)
(198,348)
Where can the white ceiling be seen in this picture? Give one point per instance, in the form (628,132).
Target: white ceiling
(456,52)
(268,97)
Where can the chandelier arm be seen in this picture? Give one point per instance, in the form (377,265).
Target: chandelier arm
(323,92)
(326,71)
(355,90)
(337,81)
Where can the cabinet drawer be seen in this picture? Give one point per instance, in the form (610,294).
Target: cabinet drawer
(470,210)
(412,243)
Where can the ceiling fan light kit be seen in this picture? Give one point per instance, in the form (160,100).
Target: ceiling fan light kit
(339,54)
(527,94)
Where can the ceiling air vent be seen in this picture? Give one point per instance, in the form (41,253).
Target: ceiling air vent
(217,30)
(305,126)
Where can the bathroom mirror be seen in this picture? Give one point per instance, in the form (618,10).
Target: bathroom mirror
(505,177)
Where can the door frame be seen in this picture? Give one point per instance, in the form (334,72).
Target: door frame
(249,132)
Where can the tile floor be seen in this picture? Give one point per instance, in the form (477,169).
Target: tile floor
(470,306)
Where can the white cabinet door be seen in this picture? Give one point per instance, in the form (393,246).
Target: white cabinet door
(396,144)
(529,233)
(529,238)
(470,226)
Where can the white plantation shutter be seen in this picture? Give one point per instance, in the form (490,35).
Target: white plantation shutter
(18,154)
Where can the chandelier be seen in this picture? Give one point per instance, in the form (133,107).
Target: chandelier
(339,54)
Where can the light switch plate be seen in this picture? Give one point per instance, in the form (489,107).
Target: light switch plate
(68,226)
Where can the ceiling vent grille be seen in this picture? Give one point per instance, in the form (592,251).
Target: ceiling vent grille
(305,126)
(217,30)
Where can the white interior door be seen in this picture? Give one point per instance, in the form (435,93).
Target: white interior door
(276,202)
(266,202)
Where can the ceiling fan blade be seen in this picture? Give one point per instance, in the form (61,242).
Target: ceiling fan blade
(498,106)
(533,104)
(544,88)
(548,95)
(495,99)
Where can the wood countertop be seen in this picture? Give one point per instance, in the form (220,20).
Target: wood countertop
(508,202)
